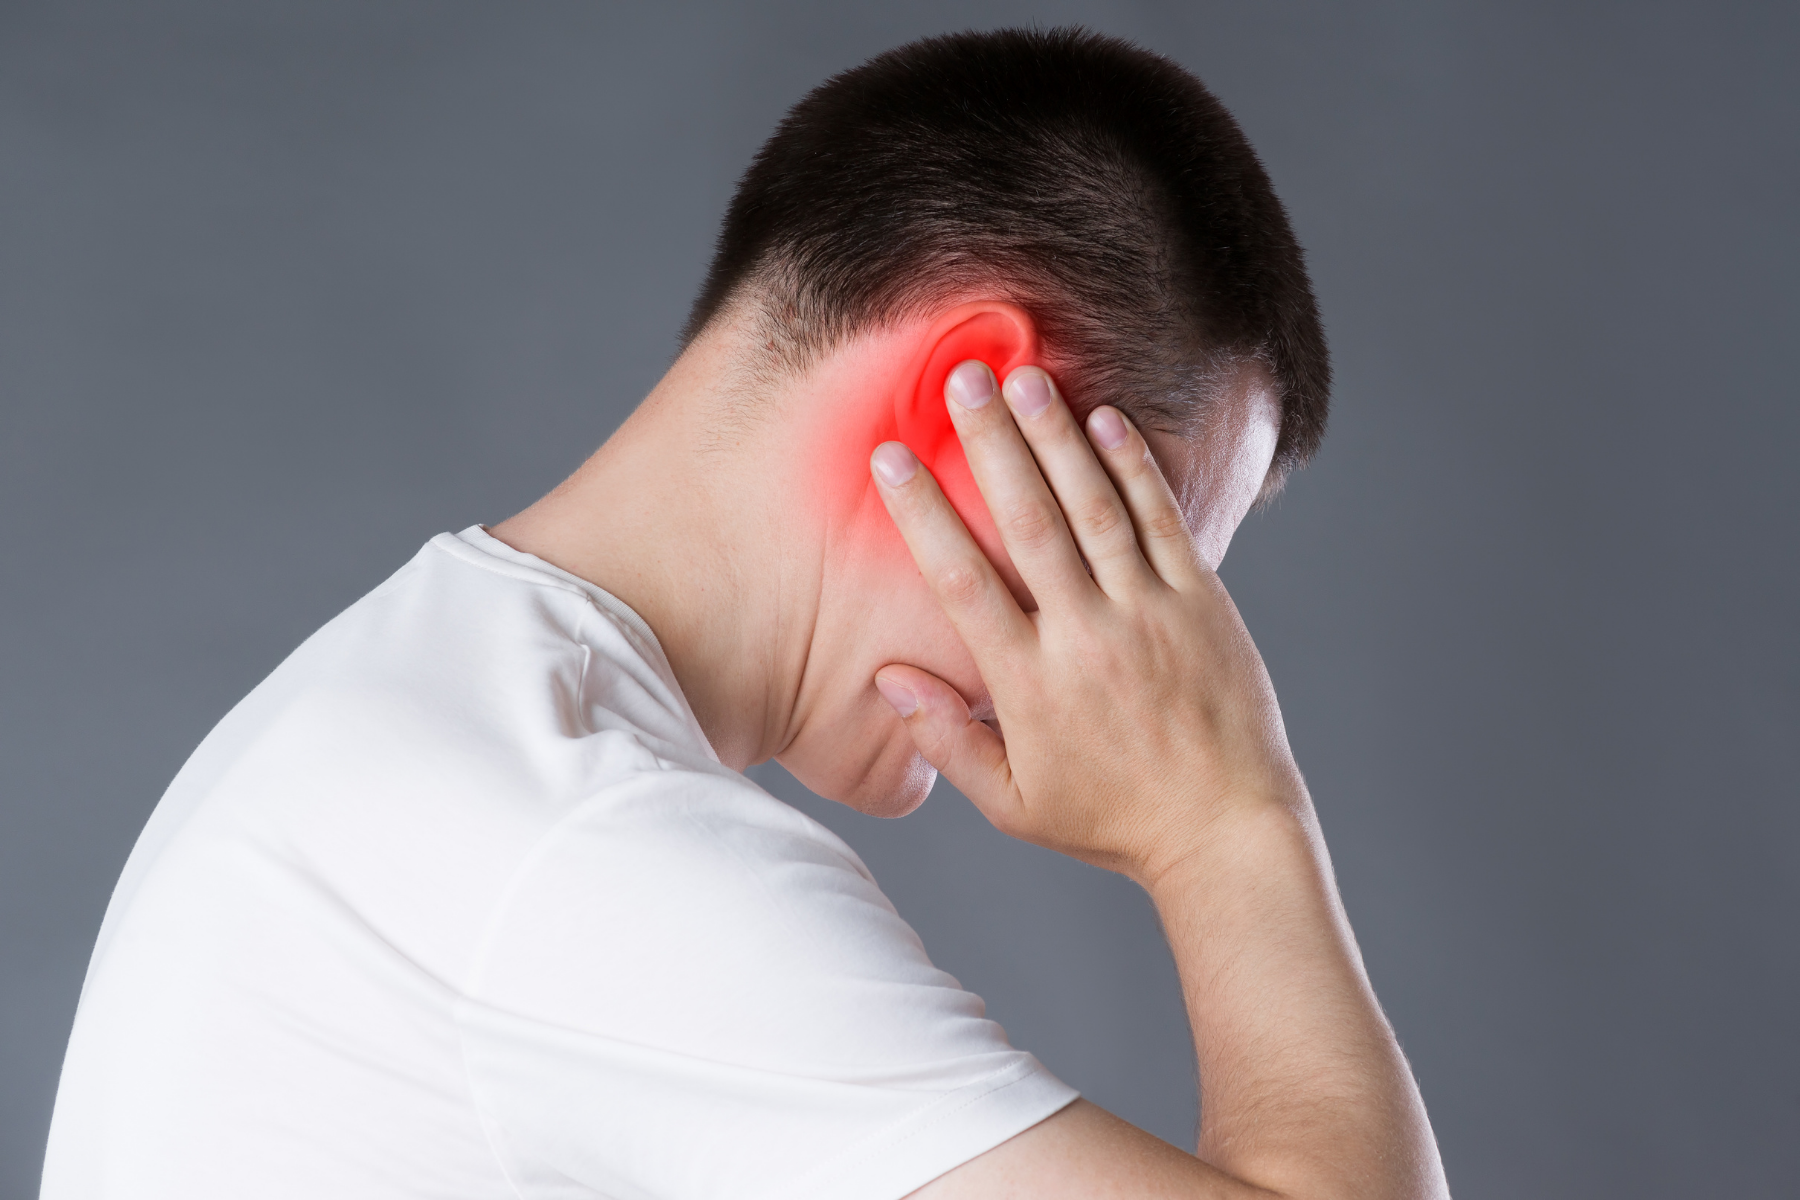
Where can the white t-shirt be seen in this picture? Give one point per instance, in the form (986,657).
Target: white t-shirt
(460,903)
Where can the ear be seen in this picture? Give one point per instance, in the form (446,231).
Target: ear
(1000,334)
(1004,337)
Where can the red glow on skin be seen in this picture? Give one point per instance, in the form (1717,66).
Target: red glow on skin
(899,396)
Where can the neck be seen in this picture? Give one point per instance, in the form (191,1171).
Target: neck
(688,526)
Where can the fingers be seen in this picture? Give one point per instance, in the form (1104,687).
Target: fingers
(1162,531)
(1025,510)
(1055,489)
(965,751)
(974,596)
(1095,514)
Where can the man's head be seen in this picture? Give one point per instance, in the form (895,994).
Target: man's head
(1026,199)
(1098,186)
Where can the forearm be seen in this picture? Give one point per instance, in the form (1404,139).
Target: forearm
(1136,670)
(1304,1090)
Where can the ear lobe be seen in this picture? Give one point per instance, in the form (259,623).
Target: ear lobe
(999,334)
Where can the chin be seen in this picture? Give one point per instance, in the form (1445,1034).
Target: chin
(890,792)
(891,782)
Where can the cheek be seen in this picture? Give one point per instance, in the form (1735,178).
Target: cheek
(838,473)
(905,624)
(865,760)
(953,476)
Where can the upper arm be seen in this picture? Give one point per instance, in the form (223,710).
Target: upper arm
(692,987)
(1086,1153)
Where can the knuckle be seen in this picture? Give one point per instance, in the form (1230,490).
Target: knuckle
(916,502)
(1098,517)
(981,432)
(1141,468)
(941,750)
(1009,819)
(959,584)
(1031,524)
(1062,433)
(1164,524)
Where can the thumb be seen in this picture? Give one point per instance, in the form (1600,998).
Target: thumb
(965,751)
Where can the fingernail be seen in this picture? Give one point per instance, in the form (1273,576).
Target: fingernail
(971,384)
(1108,428)
(1028,392)
(904,702)
(894,463)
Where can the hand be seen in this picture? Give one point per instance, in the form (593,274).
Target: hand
(1136,719)
(1141,734)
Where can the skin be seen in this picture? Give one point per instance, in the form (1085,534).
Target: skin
(870,615)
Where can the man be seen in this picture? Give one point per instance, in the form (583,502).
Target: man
(1005,335)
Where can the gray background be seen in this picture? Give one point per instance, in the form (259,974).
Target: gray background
(284,290)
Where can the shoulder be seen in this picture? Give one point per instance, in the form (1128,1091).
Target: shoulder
(416,750)
(691,871)
(692,986)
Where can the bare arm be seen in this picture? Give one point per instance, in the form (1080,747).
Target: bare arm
(1141,734)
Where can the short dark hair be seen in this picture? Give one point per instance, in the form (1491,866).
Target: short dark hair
(1096,184)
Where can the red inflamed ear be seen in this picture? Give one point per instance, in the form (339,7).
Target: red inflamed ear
(1001,335)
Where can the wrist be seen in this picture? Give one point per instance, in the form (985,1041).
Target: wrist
(1259,837)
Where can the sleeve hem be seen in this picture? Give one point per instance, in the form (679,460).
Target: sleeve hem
(942,1136)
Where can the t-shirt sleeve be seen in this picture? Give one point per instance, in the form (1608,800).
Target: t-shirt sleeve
(693,991)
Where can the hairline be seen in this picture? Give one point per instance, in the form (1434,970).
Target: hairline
(777,354)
